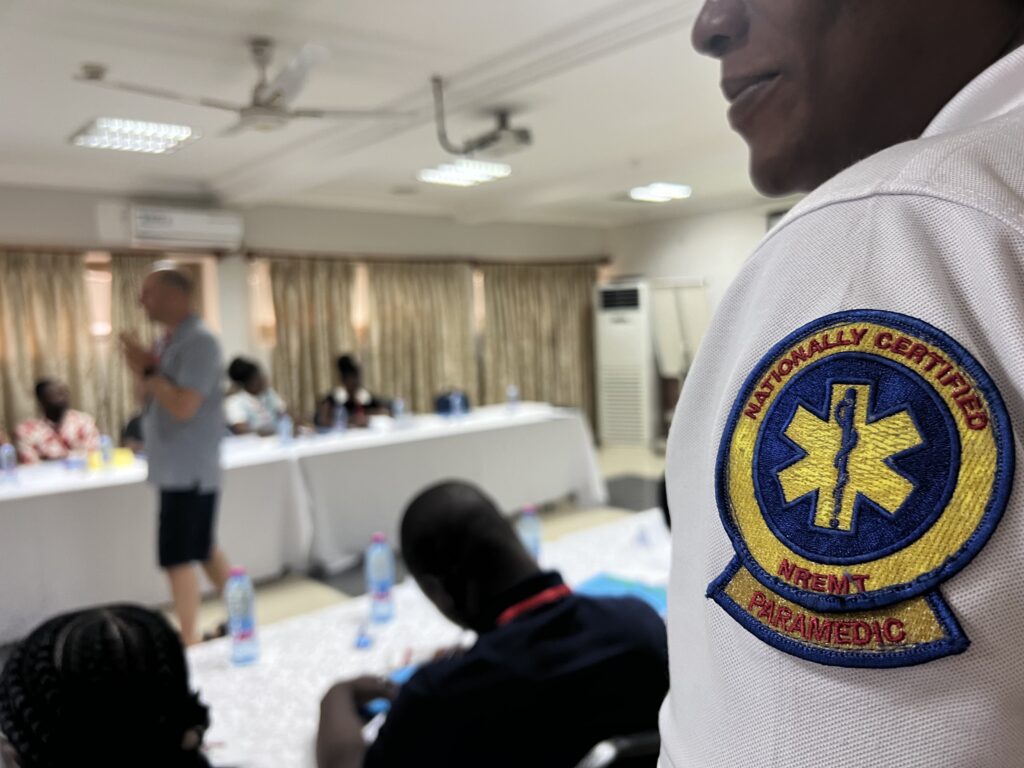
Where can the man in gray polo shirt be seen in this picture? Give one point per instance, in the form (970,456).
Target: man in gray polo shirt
(183,423)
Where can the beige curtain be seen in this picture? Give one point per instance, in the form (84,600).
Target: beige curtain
(539,333)
(313,309)
(44,331)
(120,401)
(421,331)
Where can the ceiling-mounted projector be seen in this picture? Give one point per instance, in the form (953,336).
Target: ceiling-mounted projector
(504,140)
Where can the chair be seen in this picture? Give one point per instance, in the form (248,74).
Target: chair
(448,401)
(623,751)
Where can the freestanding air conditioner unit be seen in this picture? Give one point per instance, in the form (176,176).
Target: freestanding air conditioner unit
(159,227)
(626,408)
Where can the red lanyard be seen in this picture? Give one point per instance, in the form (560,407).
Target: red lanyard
(548,596)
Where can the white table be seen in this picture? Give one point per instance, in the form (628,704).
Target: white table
(72,539)
(361,482)
(265,716)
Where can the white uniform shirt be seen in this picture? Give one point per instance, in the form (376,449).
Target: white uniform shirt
(258,413)
(932,229)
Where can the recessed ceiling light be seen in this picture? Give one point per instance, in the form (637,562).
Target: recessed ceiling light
(133,136)
(660,192)
(464,173)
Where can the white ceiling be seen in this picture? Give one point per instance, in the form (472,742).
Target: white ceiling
(611,88)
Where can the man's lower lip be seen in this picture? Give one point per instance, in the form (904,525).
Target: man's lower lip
(750,100)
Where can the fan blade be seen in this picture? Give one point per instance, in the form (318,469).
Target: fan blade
(161,93)
(234,129)
(350,113)
(286,86)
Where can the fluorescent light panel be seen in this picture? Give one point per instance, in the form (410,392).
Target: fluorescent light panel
(133,136)
(660,192)
(464,172)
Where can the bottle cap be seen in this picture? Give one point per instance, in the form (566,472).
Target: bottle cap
(378,538)
(238,571)
(530,510)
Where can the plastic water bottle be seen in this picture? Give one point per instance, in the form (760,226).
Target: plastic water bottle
(241,600)
(380,578)
(285,429)
(453,405)
(106,451)
(512,397)
(398,409)
(340,418)
(8,462)
(529,531)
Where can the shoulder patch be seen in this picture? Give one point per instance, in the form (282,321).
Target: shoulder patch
(867,459)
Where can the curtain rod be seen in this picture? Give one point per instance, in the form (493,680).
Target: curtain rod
(270,253)
(125,250)
(473,261)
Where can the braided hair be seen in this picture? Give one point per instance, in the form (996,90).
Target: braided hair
(105,686)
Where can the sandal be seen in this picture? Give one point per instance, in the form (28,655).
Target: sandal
(219,632)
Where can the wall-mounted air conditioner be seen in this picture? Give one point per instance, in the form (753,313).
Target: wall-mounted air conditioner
(159,227)
(626,406)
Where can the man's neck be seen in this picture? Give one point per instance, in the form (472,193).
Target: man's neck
(173,325)
(516,587)
(1018,39)
(56,418)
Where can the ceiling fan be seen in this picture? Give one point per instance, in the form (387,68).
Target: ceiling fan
(270,107)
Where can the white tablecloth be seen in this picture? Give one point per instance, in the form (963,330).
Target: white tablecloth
(70,539)
(361,482)
(265,716)
(73,539)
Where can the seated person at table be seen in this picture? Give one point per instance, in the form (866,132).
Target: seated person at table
(252,406)
(351,394)
(132,436)
(105,687)
(60,431)
(551,675)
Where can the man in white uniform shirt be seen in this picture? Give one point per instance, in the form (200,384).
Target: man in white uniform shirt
(848,533)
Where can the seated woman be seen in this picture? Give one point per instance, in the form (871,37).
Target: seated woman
(106,686)
(252,406)
(359,404)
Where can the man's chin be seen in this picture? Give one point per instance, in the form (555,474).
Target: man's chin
(776,178)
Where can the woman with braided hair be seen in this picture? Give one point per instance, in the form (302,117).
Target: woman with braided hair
(105,686)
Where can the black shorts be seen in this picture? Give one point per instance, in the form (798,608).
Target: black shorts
(186,527)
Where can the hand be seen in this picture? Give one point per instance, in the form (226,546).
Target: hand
(441,654)
(358,693)
(135,354)
(339,741)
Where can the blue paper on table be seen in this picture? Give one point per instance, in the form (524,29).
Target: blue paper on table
(606,585)
(399,677)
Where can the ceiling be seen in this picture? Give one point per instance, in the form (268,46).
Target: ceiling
(611,89)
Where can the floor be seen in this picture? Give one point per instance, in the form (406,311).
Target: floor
(632,474)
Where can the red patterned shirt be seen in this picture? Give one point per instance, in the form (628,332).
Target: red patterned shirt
(42,440)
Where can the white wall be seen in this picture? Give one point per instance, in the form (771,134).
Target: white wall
(30,216)
(331,231)
(712,246)
(49,217)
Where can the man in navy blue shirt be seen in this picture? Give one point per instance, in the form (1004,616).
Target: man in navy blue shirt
(551,674)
